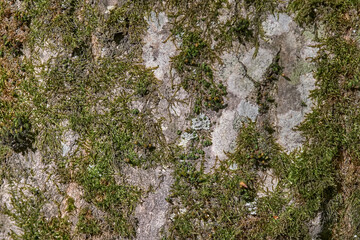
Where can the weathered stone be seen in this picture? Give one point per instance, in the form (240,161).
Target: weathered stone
(268,183)
(315,226)
(233,73)
(153,212)
(276,25)
(257,66)
(158,49)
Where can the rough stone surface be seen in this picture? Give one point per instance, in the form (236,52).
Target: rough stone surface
(232,72)
(276,25)
(24,167)
(315,227)
(158,50)
(226,129)
(256,67)
(223,135)
(269,182)
(153,211)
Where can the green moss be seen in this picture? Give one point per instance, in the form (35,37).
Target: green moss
(265,88)
(112,133)
(193,64)
(207,143)
(214,199)
(28,214)
(73,95)
(20,136)
(204,36)
(70,205)
(218,205)
(87,223)
(319,173)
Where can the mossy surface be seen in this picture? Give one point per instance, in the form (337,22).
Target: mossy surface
(318,180)
(105,100)
(89,96)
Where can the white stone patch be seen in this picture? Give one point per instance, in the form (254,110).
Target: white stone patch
(68,140)
(288,138)
(251,207)
(276,25)
(177,109)
(109,8)
(158,50)
(46,53)
(7,225)
(223,135)
(110,5)
(233,73)
(43,55)
(247,110)
(308,52)
(315,227)
(152,213)
(234,167)
(256,67)
(226,130)
(307,83)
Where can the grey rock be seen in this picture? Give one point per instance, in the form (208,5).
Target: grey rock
(276,25)
(315,226)
(233,73)
(158,49)
(153,212)
(257,66)
(247,110)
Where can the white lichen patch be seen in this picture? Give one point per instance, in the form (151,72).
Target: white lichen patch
(186,137)
(307,83)
(286,122)
(251,207)
(223,135)
(7,225)
(226,130)
(288,137)
(153,212)
(202,122)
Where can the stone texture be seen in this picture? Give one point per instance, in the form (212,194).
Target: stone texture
(233,73)
(257,66)
(226,129)
(158,49)
(153,212)
(276,25)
